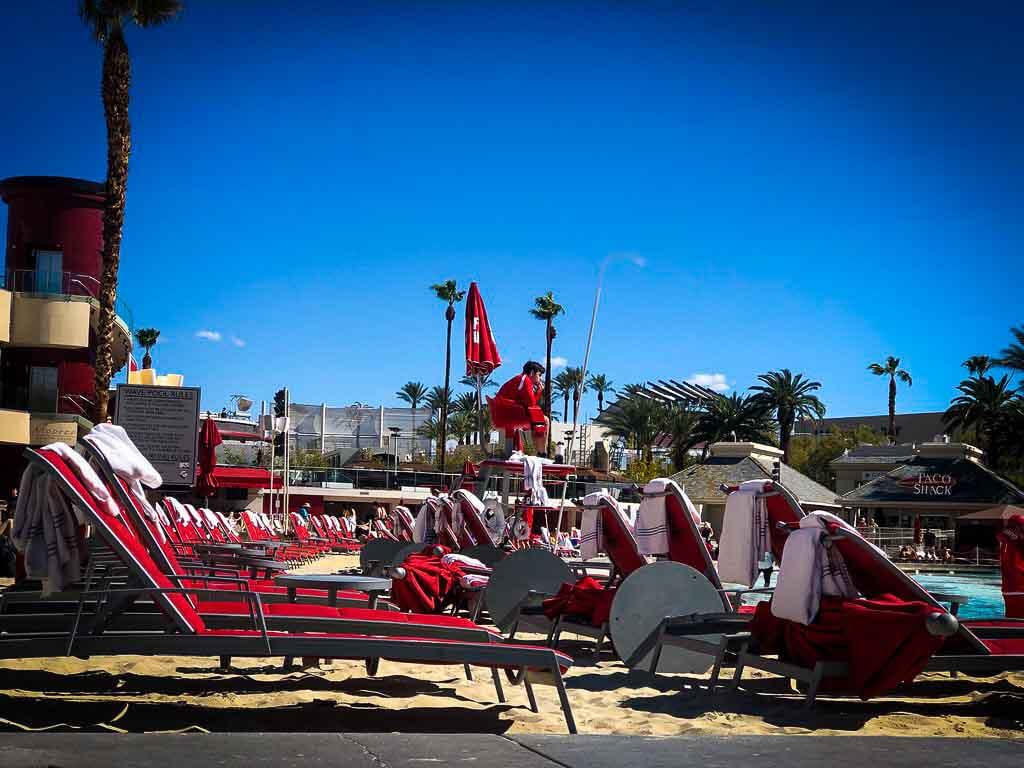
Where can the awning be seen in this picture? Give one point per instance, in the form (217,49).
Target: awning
(1000,512)
(936,482)
(243,436)
(243,477)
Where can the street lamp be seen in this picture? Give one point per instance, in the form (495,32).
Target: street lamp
(393,441)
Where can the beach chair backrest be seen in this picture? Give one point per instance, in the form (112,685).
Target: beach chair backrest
(119,536)
(620,544)
(404,523)
(447,535)
(685,544)
(472,517)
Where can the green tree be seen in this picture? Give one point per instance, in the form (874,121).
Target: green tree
(893,371)
(435,400)
(577,386)
(636,419)
(602,386)
(563,389)
(447,292)
(1013,355)
(147,340)
(412,392)
(106,20)
(979,365)
(679,422)
(737,417)
(812,456)
(788,398)
(547,309)
(986,405)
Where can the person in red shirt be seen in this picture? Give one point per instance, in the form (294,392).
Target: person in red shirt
(1011,560)
(515,407)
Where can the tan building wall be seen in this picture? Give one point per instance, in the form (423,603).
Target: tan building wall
(56,428)
(49,322)
(5,316)
(14,427)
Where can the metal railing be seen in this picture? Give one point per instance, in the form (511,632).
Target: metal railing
(370,479)
(68,284)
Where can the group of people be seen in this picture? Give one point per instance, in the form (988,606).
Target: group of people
(911,554)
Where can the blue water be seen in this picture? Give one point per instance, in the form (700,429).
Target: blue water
(983,590)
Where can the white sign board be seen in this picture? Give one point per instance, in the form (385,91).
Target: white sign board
(164,423)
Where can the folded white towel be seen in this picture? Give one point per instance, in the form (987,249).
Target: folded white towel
(745,537)
(809,570)
(652,520)
(472,562)
(592,540)
(533,477)
(184,517)
(88,476)
(46,531)
(128,463)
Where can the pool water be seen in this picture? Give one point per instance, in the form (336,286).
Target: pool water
(984,590)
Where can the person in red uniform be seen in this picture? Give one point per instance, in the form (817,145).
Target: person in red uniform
(1011,561)
(515,407)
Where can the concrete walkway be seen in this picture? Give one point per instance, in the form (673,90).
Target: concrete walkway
(376,750)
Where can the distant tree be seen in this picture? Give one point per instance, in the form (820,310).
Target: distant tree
(448,292)
(1013,355)
(988,406)
(893,371)
(435,400)
(679,422)
(547,309)
(737,417)
(602,386)
(577,387)
(789,398)
(412,392)
(979,365)
(147,338)
(563,388)
(813,456)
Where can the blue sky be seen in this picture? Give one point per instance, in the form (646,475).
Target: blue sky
(808,188)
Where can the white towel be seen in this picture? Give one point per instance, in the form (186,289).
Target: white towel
(471,562)
(128,463)
(87,475)
(179,510)
(809,570)
(46,531)
(652,520)
(229,524)
(423,529)
(533,477)
(745,536)
(592,536)
(474,581)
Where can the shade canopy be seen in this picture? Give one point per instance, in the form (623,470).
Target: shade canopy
(999,512)
(481,350)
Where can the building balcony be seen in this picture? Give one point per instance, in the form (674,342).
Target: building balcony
(57,310)
(14,427)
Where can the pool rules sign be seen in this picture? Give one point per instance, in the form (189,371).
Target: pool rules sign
(164,423)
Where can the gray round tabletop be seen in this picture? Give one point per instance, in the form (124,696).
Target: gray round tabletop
(373,586)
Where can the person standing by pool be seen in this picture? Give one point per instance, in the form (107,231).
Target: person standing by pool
(1011,563)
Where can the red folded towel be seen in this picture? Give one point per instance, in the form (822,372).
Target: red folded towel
(587,598)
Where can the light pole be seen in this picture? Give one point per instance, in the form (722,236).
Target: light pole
(393,441)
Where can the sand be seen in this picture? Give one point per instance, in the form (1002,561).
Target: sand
(135,693)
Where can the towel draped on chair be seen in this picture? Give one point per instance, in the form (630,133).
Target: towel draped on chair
(587,599)
(745,537)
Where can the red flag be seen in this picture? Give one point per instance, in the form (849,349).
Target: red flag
(209,439)
(132,365)
(481,351)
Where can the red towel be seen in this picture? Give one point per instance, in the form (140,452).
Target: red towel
(429,585)
(884,641)
(1011,562)
(587,598)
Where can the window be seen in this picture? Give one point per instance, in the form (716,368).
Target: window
(42,389)
(49,272)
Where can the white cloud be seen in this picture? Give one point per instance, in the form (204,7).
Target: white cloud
(208,335)
(237,341)
(558,362)
(715,381)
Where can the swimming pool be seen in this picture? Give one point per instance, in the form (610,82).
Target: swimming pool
(984,590)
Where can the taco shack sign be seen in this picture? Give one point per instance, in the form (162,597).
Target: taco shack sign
(930,484)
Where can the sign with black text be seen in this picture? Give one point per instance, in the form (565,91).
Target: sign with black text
(164,423)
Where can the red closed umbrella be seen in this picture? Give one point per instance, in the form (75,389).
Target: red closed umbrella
(481,350)
(209,439)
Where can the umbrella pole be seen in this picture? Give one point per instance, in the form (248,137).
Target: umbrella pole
(480,412)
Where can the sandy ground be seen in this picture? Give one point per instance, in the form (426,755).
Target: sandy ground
(134,693)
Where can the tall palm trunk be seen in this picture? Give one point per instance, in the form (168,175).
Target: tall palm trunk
(117,76)
(147,361)
(450,316)
(565,406)
(892,409)
(785,433)
(600,401)
(547,383)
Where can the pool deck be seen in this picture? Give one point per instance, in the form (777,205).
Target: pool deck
(394,750)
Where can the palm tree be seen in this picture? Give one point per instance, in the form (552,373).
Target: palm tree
(412,392)
(447,292)
(979,365)
(547,309)
(679,422)
(563,388)
(106,20)
(1013,355)
(578,387)
(602,386)
(789,398)
(737,417)
(147,340)
(435,399)
(893,371)
(487,382)
(984,404)
(463,425)
(635,419)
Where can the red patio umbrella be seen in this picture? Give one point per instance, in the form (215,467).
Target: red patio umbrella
(481,351)
(209,439)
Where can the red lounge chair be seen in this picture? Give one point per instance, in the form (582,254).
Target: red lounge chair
(193,637)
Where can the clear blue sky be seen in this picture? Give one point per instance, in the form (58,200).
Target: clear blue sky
(810,188)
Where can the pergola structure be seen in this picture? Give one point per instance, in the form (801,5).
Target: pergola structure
(673,391)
